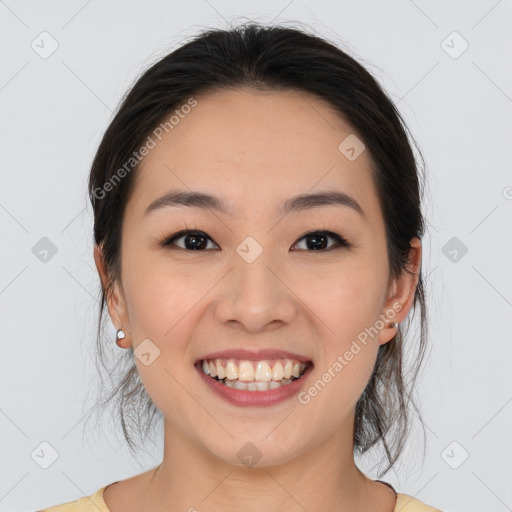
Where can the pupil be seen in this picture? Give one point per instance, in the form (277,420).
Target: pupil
(315,239)
(195,242)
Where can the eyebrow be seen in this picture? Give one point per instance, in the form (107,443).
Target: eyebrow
(294,204)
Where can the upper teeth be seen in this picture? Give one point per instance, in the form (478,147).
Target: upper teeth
(248,371)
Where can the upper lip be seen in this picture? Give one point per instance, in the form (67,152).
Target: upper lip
(256,355)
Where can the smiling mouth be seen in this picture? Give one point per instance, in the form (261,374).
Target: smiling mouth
(249,375)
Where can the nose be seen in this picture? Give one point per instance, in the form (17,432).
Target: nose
(254,296)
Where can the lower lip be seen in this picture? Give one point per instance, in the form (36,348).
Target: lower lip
(244,398)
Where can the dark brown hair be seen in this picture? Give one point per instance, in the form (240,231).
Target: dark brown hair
(257,57)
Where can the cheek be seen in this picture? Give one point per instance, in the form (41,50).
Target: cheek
(162,311)
(160,293)
(339,384)
(348,303)
(347,298)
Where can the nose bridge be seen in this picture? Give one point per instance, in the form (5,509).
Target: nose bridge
(254,295)
(251,270)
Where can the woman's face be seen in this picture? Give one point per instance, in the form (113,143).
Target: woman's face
(255,281)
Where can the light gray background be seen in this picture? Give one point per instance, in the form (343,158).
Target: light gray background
(53,114)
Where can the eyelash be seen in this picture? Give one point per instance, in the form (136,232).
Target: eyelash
(168,242)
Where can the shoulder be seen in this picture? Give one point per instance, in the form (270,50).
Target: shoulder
(406,503)
(92,503)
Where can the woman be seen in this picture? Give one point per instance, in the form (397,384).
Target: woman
(258,235)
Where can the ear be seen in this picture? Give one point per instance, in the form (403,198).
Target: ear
(115,299)
(401,293)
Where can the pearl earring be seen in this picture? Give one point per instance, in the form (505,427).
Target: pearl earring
(393,325)
(121,335)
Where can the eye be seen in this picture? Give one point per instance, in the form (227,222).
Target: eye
(319,240)
(193,240)
(198,240)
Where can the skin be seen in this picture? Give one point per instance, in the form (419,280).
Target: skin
(255,149)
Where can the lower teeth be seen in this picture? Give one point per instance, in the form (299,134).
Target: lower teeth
(256,385)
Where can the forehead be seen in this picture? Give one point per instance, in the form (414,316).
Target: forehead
(254,147)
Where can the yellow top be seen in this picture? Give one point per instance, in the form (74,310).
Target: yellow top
(95,503)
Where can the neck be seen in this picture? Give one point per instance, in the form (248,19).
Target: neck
(190,477)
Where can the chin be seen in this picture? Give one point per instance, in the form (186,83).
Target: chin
(256,453)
